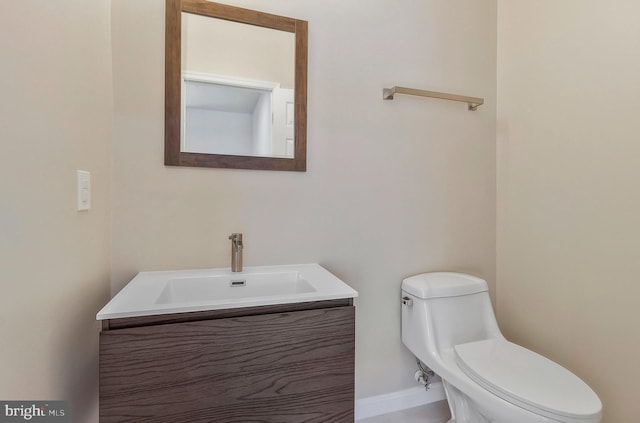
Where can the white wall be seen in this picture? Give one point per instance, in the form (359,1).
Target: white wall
(55,118)
(215,131)
(393,188)
(569,197)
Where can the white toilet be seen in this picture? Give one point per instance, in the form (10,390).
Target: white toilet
(448,323)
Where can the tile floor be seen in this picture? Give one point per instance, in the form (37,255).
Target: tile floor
(431,413)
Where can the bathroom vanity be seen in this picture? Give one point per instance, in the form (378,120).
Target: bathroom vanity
(284,356)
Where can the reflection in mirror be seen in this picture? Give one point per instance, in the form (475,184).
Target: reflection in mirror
(238,87)
(235,88)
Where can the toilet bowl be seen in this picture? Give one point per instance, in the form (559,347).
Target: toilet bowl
(448,323)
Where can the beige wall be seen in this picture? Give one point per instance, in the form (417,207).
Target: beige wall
(569,197)
(392,188)
(219,47)
(55,113)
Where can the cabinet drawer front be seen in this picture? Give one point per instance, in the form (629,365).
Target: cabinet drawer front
(284,367)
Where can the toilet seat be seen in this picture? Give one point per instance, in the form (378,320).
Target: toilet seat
(527,380)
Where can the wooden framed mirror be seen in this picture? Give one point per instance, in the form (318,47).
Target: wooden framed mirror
(235,88)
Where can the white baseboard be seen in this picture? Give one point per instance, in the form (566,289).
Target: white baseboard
(399,400)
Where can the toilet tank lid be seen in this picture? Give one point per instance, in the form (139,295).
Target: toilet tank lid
(443,284)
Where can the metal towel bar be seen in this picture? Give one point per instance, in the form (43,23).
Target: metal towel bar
(472,102)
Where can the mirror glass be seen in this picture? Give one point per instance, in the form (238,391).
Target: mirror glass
(235,87)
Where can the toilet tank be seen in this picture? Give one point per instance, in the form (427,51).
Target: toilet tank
(443,309)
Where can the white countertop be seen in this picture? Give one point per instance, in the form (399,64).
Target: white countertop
(180,291)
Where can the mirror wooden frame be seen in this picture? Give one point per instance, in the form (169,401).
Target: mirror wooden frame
(173,156)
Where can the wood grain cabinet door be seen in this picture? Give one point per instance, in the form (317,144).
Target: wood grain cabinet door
(293,367)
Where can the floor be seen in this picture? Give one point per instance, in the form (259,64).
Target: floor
(431,413)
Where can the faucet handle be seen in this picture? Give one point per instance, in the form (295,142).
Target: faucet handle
(236,237)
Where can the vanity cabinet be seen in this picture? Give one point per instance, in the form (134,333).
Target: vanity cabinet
(280,363)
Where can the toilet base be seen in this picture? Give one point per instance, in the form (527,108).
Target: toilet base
(462,409)
(465,410)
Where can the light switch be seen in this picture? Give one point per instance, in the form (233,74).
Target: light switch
(84,190)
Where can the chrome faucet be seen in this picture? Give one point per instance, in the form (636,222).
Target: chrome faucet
(236,252)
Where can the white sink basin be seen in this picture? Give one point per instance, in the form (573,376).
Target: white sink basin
(224,287)
(180,291)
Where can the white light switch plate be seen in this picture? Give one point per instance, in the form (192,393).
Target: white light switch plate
(84,190)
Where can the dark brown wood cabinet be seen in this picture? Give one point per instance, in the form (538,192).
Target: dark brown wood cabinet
(286,363)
